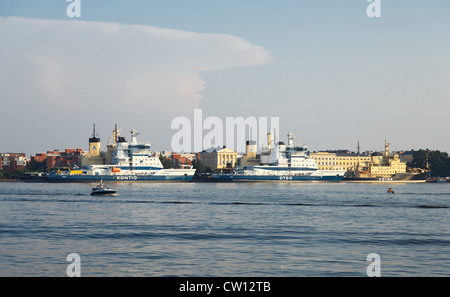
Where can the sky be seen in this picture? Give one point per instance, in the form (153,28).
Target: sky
(331,74)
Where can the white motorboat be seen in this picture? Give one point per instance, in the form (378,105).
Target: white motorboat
(102,189)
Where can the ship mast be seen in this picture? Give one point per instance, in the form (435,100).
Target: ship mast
(356,173)
(115,136)
(94,134)
(386,148)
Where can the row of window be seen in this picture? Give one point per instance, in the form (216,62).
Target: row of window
(337,163)
(224,159)
(301,161)
(341,159)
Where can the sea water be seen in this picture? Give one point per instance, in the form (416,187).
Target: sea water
(225,229)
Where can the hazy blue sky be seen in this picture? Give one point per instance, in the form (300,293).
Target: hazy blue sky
(331,74)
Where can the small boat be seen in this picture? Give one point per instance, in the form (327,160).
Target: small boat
(102,189)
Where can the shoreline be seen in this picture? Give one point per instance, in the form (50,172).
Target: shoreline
(385,181)
(240,182)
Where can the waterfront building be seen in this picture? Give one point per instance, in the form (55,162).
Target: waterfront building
(13,161)
(251,158)
(218,158)
(182,160)
(69,158)
(39,157)
(407,156)
(94,145)
(166,154)
(375,165)
(341,160)
(95,156)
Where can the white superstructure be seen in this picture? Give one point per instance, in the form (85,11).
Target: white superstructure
(132,160)
(284,162)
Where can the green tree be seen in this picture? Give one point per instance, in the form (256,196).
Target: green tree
(167,164)
(438,162)
(35,166)
(197,164)
(4,174)
(420,159)
(18,172)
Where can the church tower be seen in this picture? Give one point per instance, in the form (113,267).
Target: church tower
(94,144)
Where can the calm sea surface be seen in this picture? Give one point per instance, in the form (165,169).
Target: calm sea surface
(213,229)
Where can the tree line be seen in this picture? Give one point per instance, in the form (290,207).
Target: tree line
(436,161)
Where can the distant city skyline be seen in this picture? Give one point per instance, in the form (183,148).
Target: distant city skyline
(330,73)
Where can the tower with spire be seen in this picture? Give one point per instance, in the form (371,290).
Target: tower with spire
(94,144)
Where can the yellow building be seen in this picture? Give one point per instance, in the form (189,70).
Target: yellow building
(251,158)
(94,145)
(338,161)
(388,166)
(391,167)
(376,165)
(95,156)
(218,158)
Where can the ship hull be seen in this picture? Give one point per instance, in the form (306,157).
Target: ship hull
(400,177)
(275,178)
(118,178)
